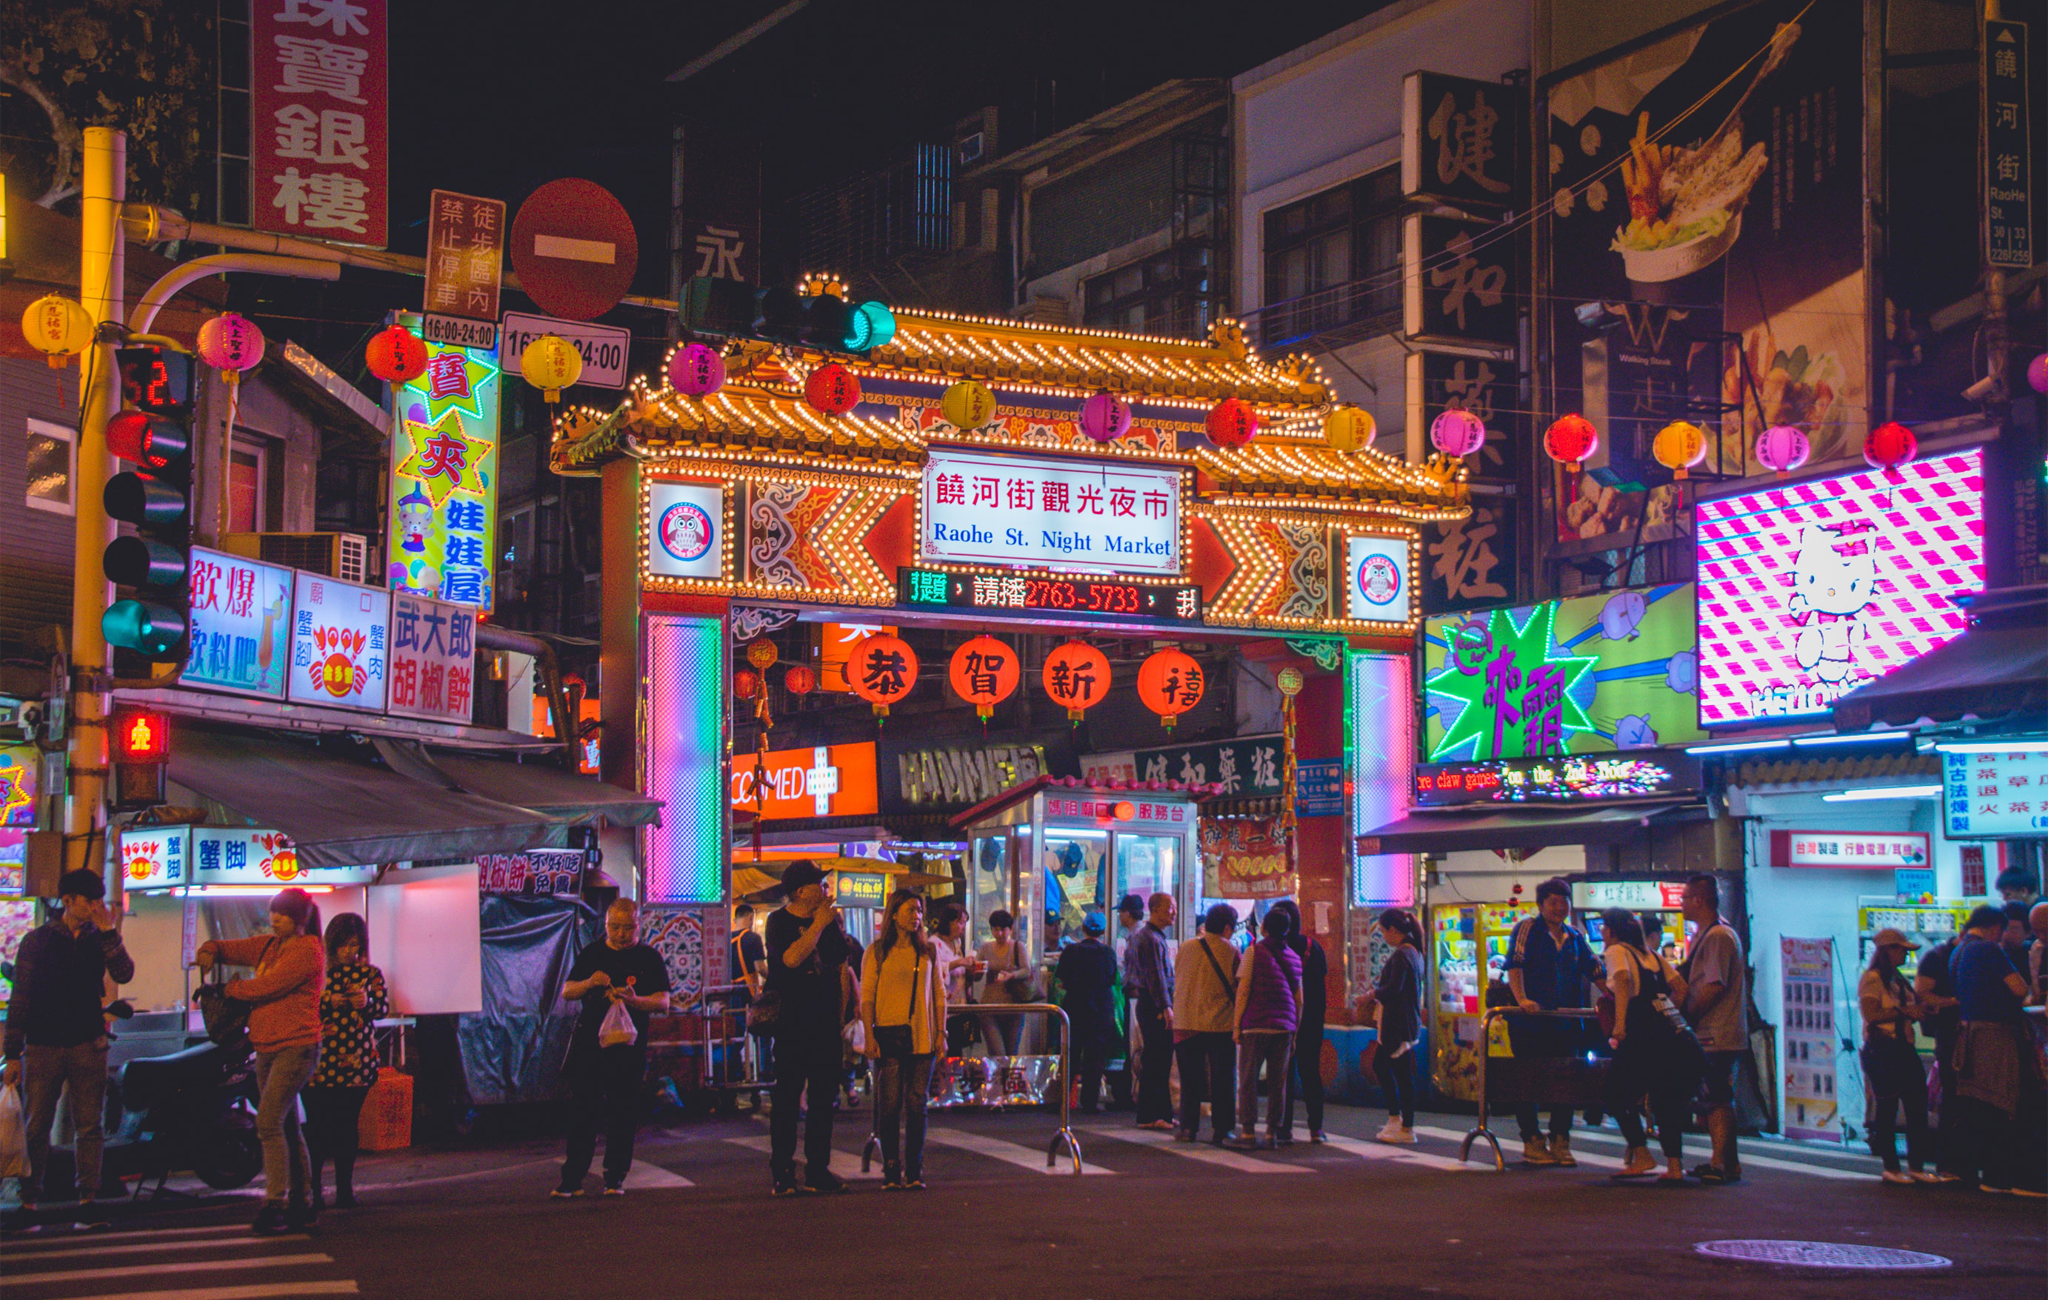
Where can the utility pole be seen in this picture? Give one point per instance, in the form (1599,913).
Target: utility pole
(101,288)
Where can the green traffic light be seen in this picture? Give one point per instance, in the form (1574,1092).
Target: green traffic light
(152,631)
(868,326)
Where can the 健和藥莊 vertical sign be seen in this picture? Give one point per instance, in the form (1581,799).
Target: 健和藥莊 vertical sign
(433,659)
(2008,162)
(989,508)
(318,119)
(241,619)
(444,479)
(465,264)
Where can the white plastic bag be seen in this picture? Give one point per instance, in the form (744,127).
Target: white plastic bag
(13,1135)
(617,1029)
(856,1036)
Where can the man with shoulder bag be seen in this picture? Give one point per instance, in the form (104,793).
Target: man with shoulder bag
(807,949)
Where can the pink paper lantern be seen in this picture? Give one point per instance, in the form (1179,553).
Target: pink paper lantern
(1782,448)
(695,370)
(2037,373)
(231,343)
(1457,433)
(1105,417)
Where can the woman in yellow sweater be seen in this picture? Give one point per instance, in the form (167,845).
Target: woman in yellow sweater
(903,1010)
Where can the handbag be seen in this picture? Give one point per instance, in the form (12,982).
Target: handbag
(1229,984)
(225,1019)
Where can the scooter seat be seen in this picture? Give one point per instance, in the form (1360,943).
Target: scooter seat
(148,1078)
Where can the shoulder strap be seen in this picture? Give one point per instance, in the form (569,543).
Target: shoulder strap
(1229,984)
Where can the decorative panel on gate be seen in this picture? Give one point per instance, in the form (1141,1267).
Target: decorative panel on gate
(808,539)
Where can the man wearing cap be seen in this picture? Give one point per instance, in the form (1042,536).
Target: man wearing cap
(1130,914)
(56,1041)
(1087,976)
(806,949)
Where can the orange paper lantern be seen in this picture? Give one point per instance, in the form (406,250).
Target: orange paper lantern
(801,679)
(1170,683)
(1076,677)
(832,389)
(984,672)
(881,670)
(745,685)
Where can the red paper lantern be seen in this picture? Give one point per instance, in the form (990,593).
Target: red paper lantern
(984,672)
(1076,676)
(396,355)
(832,389)
(881,670)
(1889,446)
(745,685)
(1232,422)
(1170,683)
(800,679)
(1571,440)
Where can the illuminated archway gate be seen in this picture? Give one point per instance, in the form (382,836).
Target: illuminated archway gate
(749,496)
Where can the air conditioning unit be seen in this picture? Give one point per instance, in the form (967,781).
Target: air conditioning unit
(343,556)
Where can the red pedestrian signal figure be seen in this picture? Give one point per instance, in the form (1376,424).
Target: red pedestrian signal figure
(141,747)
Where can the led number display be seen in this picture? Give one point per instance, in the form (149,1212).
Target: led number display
(1046,593)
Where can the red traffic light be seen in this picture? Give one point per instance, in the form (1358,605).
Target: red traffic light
(141,736)
(147,440)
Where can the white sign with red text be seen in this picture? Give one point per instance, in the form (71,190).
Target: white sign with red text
(338,648)
(1855,850)
(1040,512)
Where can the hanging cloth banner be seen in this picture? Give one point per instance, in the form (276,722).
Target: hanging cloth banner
(1246,857)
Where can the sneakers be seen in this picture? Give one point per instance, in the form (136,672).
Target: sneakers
(824,1182)
(1640,1164)
(784,1185)
(1895,1177)
(615,1189)
(1713,1174)
(892,1179)
(1394,1133)
(914,1183)
(270,1220)
(565,1192)
(1535,1151)
(1316,1136)
(1561,1151)
(89,1216)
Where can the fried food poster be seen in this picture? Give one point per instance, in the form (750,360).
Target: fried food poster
(1709,182)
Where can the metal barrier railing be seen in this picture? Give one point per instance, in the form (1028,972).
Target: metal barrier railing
(1480,1130)
(1063,1138)
(723,1025)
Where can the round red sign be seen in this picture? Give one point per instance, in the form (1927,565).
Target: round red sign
(574,249)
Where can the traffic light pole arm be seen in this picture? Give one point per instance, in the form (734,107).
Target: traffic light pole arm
(166,288)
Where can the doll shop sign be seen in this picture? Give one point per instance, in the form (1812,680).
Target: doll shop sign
(1809,591)
(444,479)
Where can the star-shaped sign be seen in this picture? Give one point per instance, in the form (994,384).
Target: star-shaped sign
(444,458)
(1508,691)
(454,380)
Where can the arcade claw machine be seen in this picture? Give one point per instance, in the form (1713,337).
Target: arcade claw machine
(1468,951)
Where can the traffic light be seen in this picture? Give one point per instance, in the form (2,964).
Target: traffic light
(153,432)
(141,745)
(821,322)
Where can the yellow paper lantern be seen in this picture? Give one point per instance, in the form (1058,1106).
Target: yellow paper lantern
(551,363)
(1679,446)
(58,328)
(1349,428)
(967,405)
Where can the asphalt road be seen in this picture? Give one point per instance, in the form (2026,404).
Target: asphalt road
(1154,1218)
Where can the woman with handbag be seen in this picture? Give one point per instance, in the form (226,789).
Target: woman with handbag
(1655,1052)
(1008,980)
(1395,1003)
(284,1028)
(1268,1012)
(1891,1062)
(354,1001)
(903,1014)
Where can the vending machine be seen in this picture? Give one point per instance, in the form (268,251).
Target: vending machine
(1468,952)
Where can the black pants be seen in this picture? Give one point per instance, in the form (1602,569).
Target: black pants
(1091,1055)
(332,1115)
(1952,1146)
(1638,1070)
(1397,1080)
(903,1083)
(807,1075)
(1533,1039)
(959,1032)
(1884,1124)
(1155,1065)
(1305,1079)
(604,1091)
(1208,1072)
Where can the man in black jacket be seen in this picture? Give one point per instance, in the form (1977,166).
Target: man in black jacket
(56,1039)
(1087,976)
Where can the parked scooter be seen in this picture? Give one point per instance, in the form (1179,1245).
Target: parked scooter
(194,1109)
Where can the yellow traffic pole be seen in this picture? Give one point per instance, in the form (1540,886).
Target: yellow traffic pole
(101,286)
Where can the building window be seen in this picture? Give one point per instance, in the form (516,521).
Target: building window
(1159,295)
(248,482)
(1334,259)
(52,467)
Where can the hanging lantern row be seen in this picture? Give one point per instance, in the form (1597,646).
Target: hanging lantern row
(695,370)
(1170,683)
(1076,677)
(231,344)
(1232,423)
(1571,441)
(984,672)
(1782,448)
(1105,417)
(396,355)
(551,363)
(1889,446)
(1678,447)
(1349,428)
(1457,432)
(58,328)
(882,671)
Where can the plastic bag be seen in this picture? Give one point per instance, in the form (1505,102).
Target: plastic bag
(617,1028)
(856,1035)
(13,1135)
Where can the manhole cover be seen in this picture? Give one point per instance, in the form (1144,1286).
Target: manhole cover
(1819,1254)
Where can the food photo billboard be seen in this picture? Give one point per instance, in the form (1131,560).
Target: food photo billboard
(1810,590)
(1711,181)
(1588,675)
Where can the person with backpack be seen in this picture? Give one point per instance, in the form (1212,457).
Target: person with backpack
(1716,1004)
(284,1027)
(1655,1053)
(745,967)
(903,1018)
(1205,973)
(1267,1014)
(1087,978)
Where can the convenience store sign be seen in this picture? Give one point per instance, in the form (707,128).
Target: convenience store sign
(1855,850)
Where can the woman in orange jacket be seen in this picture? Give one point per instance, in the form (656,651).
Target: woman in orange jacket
(284,1028)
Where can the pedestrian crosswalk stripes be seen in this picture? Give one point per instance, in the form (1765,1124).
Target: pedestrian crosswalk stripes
(1200,1152)
(157,1268)
(1012,1153)
(218,1261)
(1750,1157)
(235,1238)
(647,1176)
(847,1167)
(1399,1154)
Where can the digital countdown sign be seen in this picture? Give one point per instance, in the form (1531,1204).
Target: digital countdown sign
(1075,597)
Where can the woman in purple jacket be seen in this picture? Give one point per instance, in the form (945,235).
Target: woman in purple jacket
(1268,1013)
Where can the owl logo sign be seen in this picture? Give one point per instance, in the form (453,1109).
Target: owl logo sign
(683,521)
(1379,588)
(1379,581)
(686,531)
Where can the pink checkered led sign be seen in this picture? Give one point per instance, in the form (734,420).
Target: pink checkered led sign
(1809,591)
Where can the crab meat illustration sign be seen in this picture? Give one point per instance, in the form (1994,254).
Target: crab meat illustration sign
(338,644)
(1810,591)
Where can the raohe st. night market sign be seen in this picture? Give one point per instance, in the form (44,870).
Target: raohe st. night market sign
(992,508)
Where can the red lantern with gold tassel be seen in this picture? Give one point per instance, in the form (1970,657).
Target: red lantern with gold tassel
(1170,683)
(1076,677)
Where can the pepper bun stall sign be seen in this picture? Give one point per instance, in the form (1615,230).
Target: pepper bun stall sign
(984,672)
(1245,858)
(338,649)
(1170,683)
(433,659)
(1811,590)
(1076,678)
(881,670)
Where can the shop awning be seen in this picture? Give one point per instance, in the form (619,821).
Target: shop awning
(1987,672)
(1517,828)
(342,810)
(545,788)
